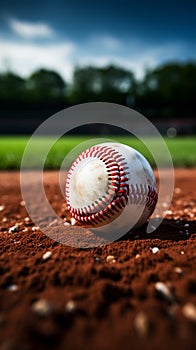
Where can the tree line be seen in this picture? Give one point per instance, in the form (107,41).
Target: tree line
(164,92)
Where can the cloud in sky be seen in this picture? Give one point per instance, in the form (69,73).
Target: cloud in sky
(30,30)
(24,57)
(136,56)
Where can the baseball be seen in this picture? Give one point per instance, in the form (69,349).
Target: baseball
(111,181)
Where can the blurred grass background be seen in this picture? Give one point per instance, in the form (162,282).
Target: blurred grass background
(182,149)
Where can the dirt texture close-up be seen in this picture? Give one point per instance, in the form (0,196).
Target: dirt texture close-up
(138,292)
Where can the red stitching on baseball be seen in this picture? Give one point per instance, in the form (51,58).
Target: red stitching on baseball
(118,187)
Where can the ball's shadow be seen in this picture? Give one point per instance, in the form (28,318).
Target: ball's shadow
(170,229)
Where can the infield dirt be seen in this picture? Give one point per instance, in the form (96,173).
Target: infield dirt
(136,293)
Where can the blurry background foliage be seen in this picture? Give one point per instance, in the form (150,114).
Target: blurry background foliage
(164,93)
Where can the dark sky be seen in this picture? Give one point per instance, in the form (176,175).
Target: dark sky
(134,34)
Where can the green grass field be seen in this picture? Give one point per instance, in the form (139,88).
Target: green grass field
(182,149)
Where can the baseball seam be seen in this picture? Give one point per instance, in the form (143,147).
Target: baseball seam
(119,193)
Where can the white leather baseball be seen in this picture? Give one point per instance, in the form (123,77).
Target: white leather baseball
(107,180)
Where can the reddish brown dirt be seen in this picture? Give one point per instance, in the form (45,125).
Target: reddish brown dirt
(87,302)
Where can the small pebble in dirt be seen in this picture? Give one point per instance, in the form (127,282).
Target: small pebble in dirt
(182,252)
(12,288)
(97,259)
(177,190)
(178,270)
(13,229)
(66,223)
(189,311)
(73,221)
(164,291)
(22,203)
(35,228)
(110,259)
(17,242)
(4,219)
(2,207)
(70,306)
(186,225)
(42,307)
(137,256)
(169,212)
(141,324)
(27,219)
(155,250)
(25,230)
(47,255)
